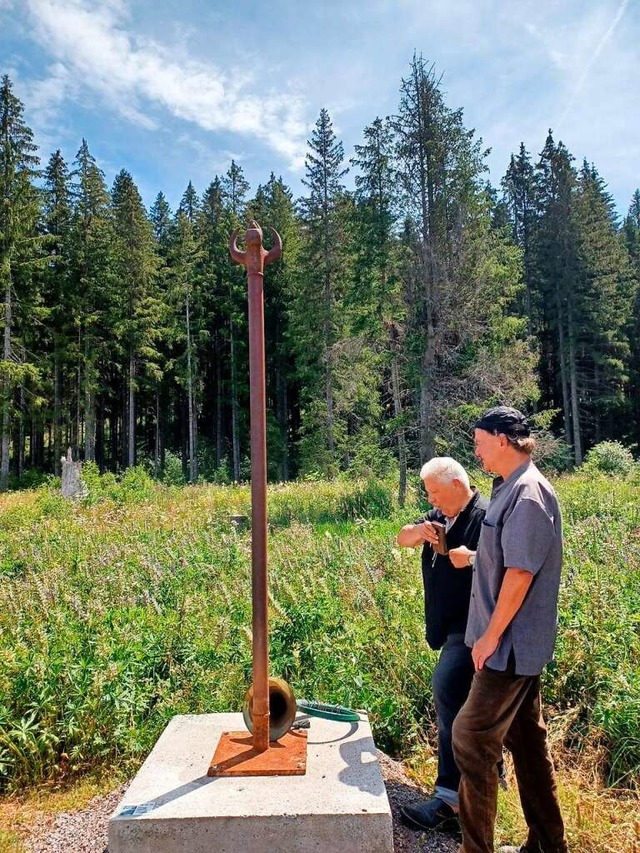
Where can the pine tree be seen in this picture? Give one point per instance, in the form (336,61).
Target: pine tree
(604,302)
(138,310)
(375,295)
(184,258)
(630,236)
(57,297)
(322,284)
(213,227)
(557,270)
(19,245)
(520,191)
(631,230)
(162,223)
(163,228)
(459,276)
(189,203)
(93,293)
(235,188)
(273,206)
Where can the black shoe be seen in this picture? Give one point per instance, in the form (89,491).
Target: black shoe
(433,813)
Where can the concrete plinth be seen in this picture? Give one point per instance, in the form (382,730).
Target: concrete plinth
(339,806)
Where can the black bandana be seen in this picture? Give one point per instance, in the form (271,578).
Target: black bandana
(505,420)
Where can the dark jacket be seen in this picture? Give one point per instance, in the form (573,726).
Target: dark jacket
(447,590)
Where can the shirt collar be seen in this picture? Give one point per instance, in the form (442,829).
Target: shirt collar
(500,481)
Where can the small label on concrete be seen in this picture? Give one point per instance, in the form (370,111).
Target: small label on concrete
(136,811)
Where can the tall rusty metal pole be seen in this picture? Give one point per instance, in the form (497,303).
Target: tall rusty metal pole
(255,258)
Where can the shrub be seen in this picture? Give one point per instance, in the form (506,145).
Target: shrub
(609,457)
(172,471)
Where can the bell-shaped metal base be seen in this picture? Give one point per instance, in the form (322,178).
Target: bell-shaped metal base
(282,708)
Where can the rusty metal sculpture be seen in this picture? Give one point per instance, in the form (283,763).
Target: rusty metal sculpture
(270,706)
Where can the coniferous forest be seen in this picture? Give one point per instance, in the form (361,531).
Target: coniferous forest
(401,307)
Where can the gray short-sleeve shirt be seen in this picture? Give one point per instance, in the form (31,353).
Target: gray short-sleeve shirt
(523,530)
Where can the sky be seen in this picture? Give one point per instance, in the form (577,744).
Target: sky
(173,90)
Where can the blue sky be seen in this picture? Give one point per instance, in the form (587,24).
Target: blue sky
(171,90)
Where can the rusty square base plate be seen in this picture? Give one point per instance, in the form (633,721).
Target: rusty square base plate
(235,756)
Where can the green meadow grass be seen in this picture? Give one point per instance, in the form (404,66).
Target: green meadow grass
(135,604)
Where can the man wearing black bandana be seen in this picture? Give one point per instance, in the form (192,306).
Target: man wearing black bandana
(511,632)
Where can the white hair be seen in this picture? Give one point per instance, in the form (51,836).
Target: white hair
(444,469)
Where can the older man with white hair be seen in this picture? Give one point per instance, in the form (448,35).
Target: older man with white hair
(458,510)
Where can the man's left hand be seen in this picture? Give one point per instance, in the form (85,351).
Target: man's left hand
(482,650)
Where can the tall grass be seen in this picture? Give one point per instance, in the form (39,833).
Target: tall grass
(120,611)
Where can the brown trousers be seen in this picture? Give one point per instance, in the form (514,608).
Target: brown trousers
(505,709)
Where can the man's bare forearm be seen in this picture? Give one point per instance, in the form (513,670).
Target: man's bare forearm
(413,535)
(513,591)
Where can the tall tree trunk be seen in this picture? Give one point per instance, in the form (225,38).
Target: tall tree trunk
(6,395)
(397,411)
(89,411)
(573,379)
(100,425)
(218,417)
(427,440)
(132,410)
(57,413)
(328,361)
(19,447)
(193,426)
(235,440)
(562,358)
(49,448)
(329,401)
(157,447)
(597,385)
(113,437)
(78,420)
(283,419)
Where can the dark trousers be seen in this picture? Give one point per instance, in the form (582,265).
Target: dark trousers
(451,682)
(505,709)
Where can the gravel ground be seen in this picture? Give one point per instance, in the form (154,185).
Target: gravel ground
(86,831)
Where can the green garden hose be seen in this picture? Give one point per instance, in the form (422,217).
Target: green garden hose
(328,712)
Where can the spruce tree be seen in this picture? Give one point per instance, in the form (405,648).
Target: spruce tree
(460,276)
(631,230)
(274,207)
(235,188)
(557,271)
(630,237)
(604,301)
(162,223)
(19,246)
(213,227)
(520,192)
(138,314)
(93,292)
(375,296)
(184,259)
(319,320)
(57,295)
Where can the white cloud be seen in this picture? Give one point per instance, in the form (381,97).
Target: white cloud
(130,74)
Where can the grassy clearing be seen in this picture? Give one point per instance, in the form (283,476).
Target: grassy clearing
(134,605)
